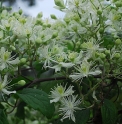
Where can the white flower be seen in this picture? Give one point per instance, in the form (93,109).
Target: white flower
(84,70)
(60,92)
(75,57)
(69,105)
(60,65)
(46,55)
(6,60)
(4,87)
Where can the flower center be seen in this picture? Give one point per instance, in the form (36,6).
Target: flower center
(1,87)
(71,105)
(60,89)
(6,56)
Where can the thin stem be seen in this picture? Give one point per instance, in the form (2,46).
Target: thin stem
(93,5)
(16,103)
(93,88)
(36,81)
(80,91)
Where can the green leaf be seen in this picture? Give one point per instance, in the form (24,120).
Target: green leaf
(109,112)
(47,74)
(38,100)
(81,117)
(38,68)
(108,40)
(3,119)
(20,110)
(46,86)
(1,106)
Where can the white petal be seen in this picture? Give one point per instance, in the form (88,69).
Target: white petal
(13,62)
(7,92)
(67,65)
(5,81)
(97,72)
(55,100)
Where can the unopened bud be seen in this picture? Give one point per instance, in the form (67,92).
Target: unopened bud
(53,16)
(117,55)
(40,15)
(23,60)
(12,47)
(118,42)
(20,11)
(99,12)
(102,55)
(21,82)
(59,3)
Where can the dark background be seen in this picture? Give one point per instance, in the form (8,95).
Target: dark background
(11,2)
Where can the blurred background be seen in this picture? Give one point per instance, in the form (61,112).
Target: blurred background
(33,7)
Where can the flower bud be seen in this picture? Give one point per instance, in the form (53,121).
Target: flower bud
(118,42)
(99,12)
(59,3)
(7,26)
(39,22)
(53,16)
(38,41)
(55,34)
(22,20)
(117,55)
(67,20)
(20,11)
(102,55)
(48,25)
(28,33)
(107,52)
(74,28)
(23,60)
(78,44)
(76,17)
(21,82)
(101,30)
(97,54)
(40,15)
(12,47)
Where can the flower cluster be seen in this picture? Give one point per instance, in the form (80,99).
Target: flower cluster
(84,45)
(69,102)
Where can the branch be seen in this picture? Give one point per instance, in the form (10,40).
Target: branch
(36,81)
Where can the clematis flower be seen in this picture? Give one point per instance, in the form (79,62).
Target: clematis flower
(91,47)
(59,92)
(69,106)
(6,60)
(4,87)
(60,65)
(84,70)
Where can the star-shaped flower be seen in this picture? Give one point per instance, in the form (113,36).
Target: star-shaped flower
(59,92)
(4,85)
(69,106)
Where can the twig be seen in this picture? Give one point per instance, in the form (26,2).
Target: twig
(36,81)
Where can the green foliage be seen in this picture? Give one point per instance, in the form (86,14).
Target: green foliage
(81,118)
(3,118)
(109,112)
(37,99)
(21,111)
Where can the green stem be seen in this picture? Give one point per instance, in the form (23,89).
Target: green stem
(93,88)
(80,91)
